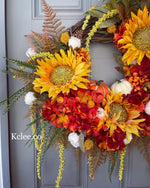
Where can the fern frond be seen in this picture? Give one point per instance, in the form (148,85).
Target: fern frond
(8,72)
(37,106)
(22,63)
(35,41)
(143,145)
(15,97)
(48,43)
(51,24)
(97,158)
(77,155)
(25,77)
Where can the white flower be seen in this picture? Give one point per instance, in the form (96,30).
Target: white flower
(122,86)
(74,42)
(30,52)
(100,113)
(147,108)
(29,98)
(126,142)
(73,138)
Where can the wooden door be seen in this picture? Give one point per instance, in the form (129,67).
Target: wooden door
(22,17)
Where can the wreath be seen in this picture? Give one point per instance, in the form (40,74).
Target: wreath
(99,120)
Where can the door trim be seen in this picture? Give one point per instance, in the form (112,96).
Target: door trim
(4,143)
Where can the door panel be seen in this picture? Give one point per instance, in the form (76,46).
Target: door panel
(26,15)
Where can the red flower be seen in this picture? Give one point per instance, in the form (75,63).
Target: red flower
(146,124)
(119,35)
(105,141)
(139,76)
(75,111)
(136,97)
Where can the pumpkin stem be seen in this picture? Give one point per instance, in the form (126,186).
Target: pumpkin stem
(99,82)
(118,81)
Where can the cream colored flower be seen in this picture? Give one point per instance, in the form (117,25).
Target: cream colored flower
(30,52)
(29,98)
(74,42)
(73,138)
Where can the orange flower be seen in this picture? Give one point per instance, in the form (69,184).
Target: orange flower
(65,38)
(82,53)
(88,144)
(111,29)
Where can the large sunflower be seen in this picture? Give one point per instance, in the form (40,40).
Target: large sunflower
(136,38)
(61,73)
(120,114)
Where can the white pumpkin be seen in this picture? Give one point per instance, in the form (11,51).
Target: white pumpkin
(147,108)
(122,86)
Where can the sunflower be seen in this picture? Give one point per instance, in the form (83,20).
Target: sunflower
(61,73)
(136,38)
(120,114)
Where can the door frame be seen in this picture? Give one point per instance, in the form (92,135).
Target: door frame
(4,136)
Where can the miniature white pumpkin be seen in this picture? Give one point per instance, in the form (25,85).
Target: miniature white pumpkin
(147,108)
(122,86)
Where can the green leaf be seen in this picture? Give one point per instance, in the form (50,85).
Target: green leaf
(37,132)
(33,122)
(118,59)
(109,22)
(111,165)
(55,135)
(98,11)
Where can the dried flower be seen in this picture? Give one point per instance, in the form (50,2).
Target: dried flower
(74,42)
(65,38)
(111,29)
(88,144)
(29,98)
(30,52)
(73,138)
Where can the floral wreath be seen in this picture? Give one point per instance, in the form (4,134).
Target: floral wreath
(88,114)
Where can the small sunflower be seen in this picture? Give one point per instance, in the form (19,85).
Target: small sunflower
(61,73)
(121,115)
(136,38)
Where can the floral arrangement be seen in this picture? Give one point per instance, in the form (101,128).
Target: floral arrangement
(99,120)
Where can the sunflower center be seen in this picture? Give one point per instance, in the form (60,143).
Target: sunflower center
(141,38)
(61,75)
(115,108)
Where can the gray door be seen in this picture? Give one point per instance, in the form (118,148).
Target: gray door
(26,15)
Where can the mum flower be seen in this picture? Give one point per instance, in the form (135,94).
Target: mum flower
(136,38)
(120,114)
(61,73)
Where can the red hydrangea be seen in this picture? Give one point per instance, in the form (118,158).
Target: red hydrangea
(76,111)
